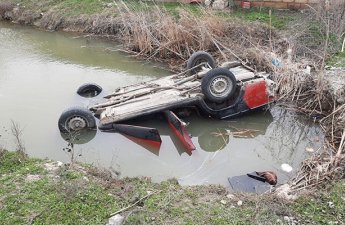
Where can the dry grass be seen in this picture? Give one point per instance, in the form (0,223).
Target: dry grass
(5,7)
(155,33)
(334,11)
(17,133)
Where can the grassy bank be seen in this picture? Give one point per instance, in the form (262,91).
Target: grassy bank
(42,192)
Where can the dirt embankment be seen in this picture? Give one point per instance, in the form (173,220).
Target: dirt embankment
(150,32)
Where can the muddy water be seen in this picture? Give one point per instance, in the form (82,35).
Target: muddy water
(40,72)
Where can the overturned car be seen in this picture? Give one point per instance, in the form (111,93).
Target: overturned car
(223,92)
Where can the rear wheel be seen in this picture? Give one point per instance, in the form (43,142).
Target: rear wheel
(200,57)
(218,85)
(76,119)
(89,90)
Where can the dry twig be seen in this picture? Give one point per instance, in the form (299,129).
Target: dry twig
(135,203)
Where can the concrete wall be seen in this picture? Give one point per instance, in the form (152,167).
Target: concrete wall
(281,4)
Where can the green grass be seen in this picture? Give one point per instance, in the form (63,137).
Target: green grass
(67,200)
(279,20)
(71,8)
(337,60)
(67,7)
(67,197)
(82,6)
(323,208)
(174,8)
(89,7)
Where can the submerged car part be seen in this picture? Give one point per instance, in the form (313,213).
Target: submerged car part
(179,129)
(149,135)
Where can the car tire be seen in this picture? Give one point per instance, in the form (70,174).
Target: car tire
(89,90)
(76,119)
(218,85)
(199,57)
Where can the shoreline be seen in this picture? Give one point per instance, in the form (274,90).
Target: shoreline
(40,191)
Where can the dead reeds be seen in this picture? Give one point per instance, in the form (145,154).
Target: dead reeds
(154,33)
(17,133)
(300,88)
(158,34)
(4,8)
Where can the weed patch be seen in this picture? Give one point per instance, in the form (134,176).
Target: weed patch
(325,208)
(277,21)
(337,60)
(14,162)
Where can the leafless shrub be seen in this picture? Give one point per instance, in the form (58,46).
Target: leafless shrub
(72,138)
(5,7)
(17,132)
(335,11)
(321,33)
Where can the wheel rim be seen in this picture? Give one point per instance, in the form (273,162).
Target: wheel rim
(220,86)
(76,123)
(91,92)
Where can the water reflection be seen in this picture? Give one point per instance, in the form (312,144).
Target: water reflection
(215,135)
(289,132)
(211,134)
(79,137)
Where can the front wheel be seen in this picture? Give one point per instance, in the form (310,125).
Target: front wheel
(218,85)
(76,119)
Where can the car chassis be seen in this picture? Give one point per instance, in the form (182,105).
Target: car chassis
(224,92)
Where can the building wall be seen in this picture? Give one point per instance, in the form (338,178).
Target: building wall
(281,4)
